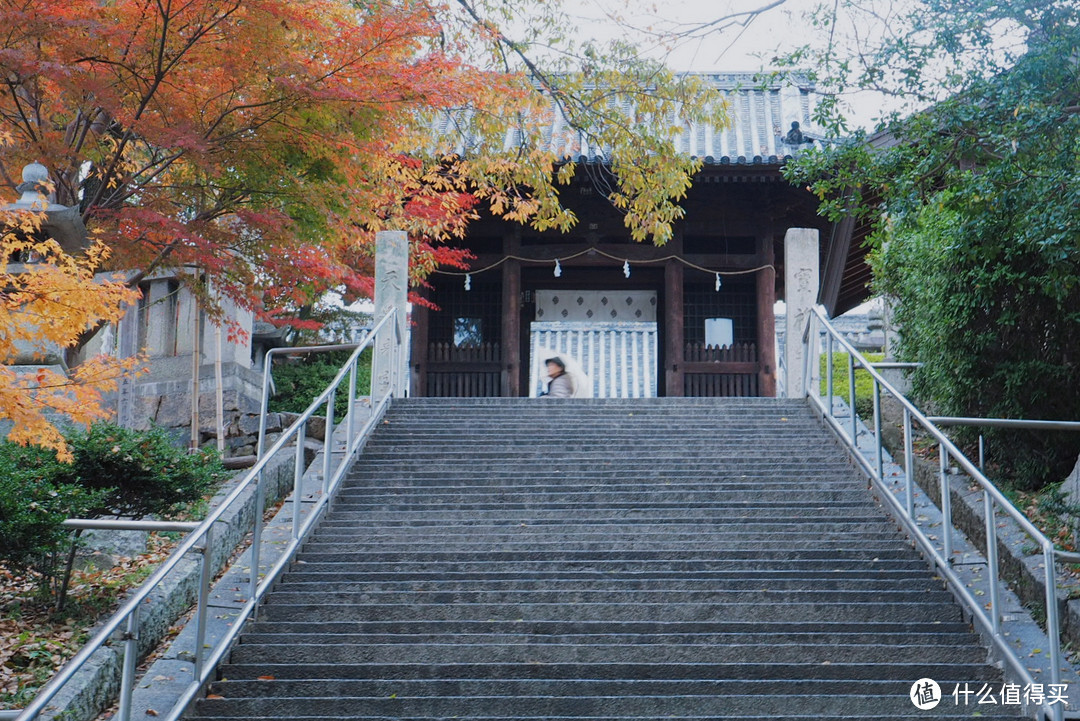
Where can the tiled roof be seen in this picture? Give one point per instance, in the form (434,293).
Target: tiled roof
(761,116)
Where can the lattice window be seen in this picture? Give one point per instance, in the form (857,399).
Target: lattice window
(466,318)
(737,300)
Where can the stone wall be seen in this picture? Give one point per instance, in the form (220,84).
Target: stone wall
(163,398)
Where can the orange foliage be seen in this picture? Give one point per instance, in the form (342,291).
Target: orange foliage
(265,141)
(44,307)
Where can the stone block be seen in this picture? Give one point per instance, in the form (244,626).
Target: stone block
(103,548)
(249,424)
(174,411)
(312,448)
(316,426)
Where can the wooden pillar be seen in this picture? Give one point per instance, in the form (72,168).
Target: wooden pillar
(766,332)
(419,318)
(673,328)
(511,329)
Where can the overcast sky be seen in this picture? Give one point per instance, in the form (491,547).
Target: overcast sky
(747,44)
(735,47)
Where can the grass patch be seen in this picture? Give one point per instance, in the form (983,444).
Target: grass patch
(864,384)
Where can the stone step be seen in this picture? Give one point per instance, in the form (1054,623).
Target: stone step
(300,583)
(602,559)
(316,688)
(626,628)
(607,670)
(530,653)
(514,563)
(612,639)
(719,579)
(765,558)
(633,513)
(603,706)
(608,596)
(681,717)
(605,520)
(881,610)
(521,515)
(385,487)
(721,545)
(501,438)
(814,499)
(667,461)
(778,518)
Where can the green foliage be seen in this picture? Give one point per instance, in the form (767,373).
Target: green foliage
(33,505)
(141,472)
(979,244)
(864,384)
(298,383)
(115,472)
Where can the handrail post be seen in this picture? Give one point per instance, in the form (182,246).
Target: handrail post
(909,465)
(946,502)
(264,405)
(808,333)
(298,478)
(127,675)
(206,574)
(879,463)
(992,560)
(1053,629)
(851,401)
(256,534)
(328,442)
(982,454)
(350,417)
(829,380)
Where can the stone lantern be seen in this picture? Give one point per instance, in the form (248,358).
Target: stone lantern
(61,223)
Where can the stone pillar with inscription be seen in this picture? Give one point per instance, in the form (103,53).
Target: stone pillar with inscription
(801,279)
(389,369)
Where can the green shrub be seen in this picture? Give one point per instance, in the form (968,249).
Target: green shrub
(115,472)
(141,472)
(298,383)
(33,506)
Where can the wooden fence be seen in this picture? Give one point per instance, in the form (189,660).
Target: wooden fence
(464,372)
(728,371)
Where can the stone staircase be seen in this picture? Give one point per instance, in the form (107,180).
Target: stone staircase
(602,559)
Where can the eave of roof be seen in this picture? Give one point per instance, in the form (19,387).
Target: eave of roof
(760,116)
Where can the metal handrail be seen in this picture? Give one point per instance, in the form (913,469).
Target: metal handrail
(121,524)
(993,498)
(1040,425)
(127,617)
(1006,423)
(268,378)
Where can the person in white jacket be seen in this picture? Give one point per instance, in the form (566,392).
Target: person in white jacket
(566,378)
(560,385)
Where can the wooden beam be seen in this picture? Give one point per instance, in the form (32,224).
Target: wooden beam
(736,368)
(647,259)
(673,328)
(766,320)
(418,354)
(511,329)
